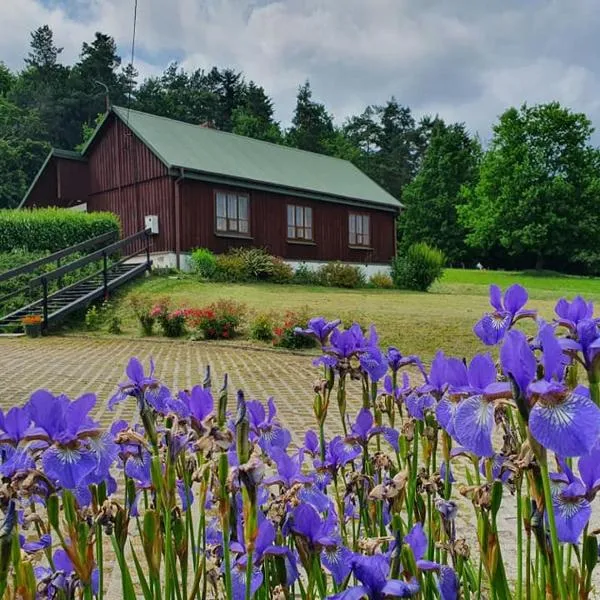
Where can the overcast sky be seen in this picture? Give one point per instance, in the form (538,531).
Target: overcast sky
(466,60)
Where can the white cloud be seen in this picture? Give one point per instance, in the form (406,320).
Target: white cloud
(465,60)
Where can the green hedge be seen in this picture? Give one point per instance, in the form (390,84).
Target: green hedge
(51,229)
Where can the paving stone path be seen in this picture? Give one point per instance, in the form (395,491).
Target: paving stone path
(74,365)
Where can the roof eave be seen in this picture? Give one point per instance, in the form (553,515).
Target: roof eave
(269,187)
(37,177)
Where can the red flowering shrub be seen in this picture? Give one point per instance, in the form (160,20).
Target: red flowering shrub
(172,322)
(217,321)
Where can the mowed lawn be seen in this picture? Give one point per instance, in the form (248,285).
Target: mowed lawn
(418,323)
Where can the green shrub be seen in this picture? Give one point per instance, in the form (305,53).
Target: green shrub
(281,272)
(381,280)
(141,307)
(304,275)
(337,274)
(51,229)
(115,325)
(231,268)
(93,318)
(419,268)
(258,263)
(173,323)
(204,262)
(286,337)
(261,328)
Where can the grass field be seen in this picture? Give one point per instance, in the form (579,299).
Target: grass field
(417,323)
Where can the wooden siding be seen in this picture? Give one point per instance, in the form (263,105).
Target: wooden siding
(45,190)
(118,159)
(116,162)
(268,226)
(133,203)
(72,180)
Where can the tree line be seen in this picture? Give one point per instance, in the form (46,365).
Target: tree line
(529,199)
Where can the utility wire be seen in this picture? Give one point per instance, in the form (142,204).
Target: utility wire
(132,59)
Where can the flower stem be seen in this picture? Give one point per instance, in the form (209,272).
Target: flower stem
(519,594)
(553,535)
(594,384)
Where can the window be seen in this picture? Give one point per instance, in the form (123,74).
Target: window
(299,222)
(232,212)
(359,229)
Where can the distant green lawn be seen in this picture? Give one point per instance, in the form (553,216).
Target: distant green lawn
(417,323)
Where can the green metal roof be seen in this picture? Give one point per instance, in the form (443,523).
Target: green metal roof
(216,153)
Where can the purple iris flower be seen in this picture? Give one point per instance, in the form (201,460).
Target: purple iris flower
(62,578)
(30,547)
(474,416)
(319,328)
(417,540)
(311,443)
(15,460)
(264,546)
(186,496)
(398,392)
(321,536)
(373,573)
(339,454)
(436,381)
(64,426)
(363,429)
(492,328)
(448,585)
(289,470)
(343,345)
(137,383)
(417,404)
(571,313)
(318,532)
(396,361)
(564,421)
(105,451)
(265,427)
(497,472)
(197,405)
(589,471)
(572,509)
(372,360)
(518,360)
(14,424)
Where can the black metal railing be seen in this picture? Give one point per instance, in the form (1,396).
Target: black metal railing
(55,257)
(83,296)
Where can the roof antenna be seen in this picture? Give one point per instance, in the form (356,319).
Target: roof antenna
(132,59)
(106,94)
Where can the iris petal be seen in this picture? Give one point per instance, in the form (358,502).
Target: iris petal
(68,466)
(568,428)
(338,561)
(448,584)
(444,413)
(473,425)
(571,515)
(515,298)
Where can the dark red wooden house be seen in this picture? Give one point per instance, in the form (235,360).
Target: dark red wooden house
(206,188)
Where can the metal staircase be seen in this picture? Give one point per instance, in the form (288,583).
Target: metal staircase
(54,306)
